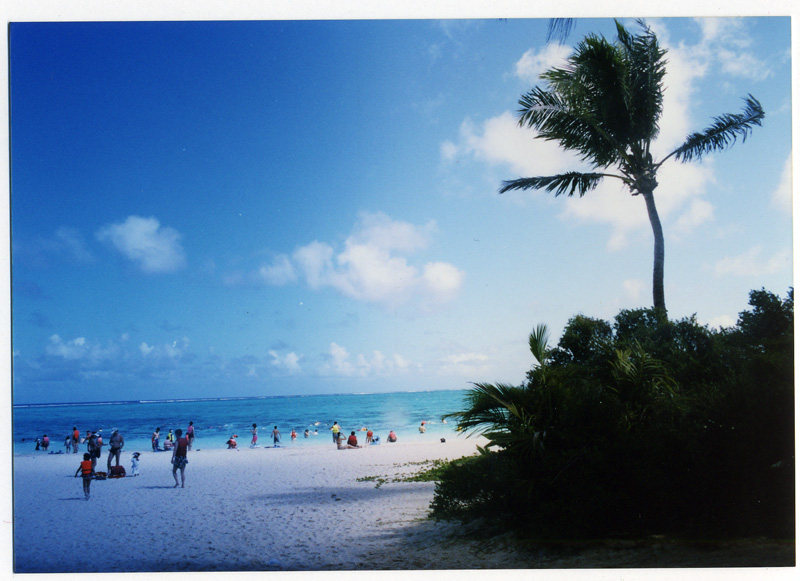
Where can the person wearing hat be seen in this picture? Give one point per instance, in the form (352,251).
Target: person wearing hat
(135,464)
(115,444)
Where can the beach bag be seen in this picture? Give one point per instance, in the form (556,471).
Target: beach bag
(117,472)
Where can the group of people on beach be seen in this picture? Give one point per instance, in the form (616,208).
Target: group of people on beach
(352,439)
(169,440)
(232,443)
(94,443)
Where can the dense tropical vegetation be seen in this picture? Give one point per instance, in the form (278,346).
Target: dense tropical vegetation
(605,104)
(636,426)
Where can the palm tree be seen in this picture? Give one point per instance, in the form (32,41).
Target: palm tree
(606,105)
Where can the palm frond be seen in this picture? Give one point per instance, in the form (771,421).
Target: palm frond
(644,88)
(721,134)
(568,183)
(537,341)
(486,407)
(559,29)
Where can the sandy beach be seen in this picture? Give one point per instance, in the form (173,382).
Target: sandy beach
(248,510)
(294,509)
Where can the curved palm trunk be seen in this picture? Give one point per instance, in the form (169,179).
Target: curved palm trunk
(658,255)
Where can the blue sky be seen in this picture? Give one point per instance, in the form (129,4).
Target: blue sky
(202,209)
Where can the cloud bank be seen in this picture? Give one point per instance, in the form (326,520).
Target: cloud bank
(373,265)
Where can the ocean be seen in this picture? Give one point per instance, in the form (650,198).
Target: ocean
(216,420)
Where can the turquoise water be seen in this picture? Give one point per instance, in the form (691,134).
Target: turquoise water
(215,420)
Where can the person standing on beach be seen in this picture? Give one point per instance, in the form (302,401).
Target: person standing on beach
(254,431)
(369,436)
(93,449)
(115,444)
(190,434)
(76,439)
(179,459)
(154,438)
(335,430)
(276,437)
(86,468)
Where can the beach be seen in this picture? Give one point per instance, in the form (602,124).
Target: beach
(252,509)
(301,508)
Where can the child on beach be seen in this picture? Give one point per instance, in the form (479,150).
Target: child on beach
(254,431)
(276,437)
(135,464)
(87,470)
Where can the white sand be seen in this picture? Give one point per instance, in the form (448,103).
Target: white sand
(289,508)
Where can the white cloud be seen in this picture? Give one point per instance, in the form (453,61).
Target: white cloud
(782,196)
(501,141)
(753,263)
(289,362)
(74,349)
(339,362)
(726,43)
(80,349)
(533,63)
(279,273)
(441,280)
(154,248)
(699,212)
(468,365)
(174,350)
(372,266)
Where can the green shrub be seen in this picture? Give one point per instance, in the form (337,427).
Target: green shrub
(643,426)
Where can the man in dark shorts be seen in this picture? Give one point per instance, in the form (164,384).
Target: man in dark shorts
(179,459)
(115,445)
